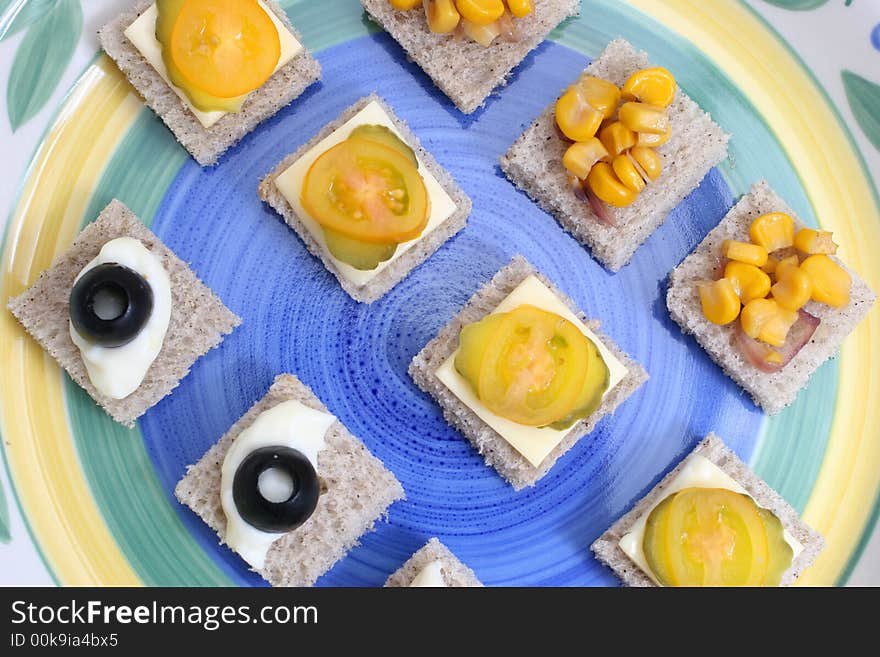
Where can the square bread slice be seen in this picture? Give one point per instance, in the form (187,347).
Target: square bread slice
(454,572)
(713,449)
(496,451)
(773,391)
(199,320)
(206,145)
(461,68)
(400,268)
(356,490)
(534,164)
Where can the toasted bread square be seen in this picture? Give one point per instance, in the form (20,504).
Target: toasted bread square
(399,268)
(199,320)
(496,451)
(356,491)
(206,145)
(712,448)
(461,68)
(454,572)
(534,165)
(771,391)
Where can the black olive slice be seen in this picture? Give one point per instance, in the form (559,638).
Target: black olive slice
(110,304)
(275,517)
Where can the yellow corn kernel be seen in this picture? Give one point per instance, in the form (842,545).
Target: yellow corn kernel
(617,138)
(748,281)
(627,173)
(776,330)
(648,159)
(720,303)
(767,321)
(751,254)
(773,231)
(755,314)
(771,265)
(651,140)
(604,96)
(813,242)
(790,261)
(482,34)
(831,282)
(520,8)
(608,188)
(641,117)
(481,12)
(575,116)
(582,155)
(405,5)
(793,287)
(773,357)
(442,15)
(655,86)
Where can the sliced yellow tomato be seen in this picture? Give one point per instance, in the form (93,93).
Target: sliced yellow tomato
(224,48)
(367,191)
(707,537)
(781,553)
(533,370)
(472,343)
(654,540)
(595,384)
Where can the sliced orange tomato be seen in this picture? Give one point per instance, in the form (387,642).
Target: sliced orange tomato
(224,48)
(368,191)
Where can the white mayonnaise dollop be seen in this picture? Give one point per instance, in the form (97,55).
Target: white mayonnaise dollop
(118,371)
(288,424)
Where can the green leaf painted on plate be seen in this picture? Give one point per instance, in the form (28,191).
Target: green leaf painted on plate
(40,60)
(797,5)
(16,15)
(4,517)
(864,99)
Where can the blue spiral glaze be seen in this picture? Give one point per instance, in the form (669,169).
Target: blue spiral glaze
(297,319)
(875,37)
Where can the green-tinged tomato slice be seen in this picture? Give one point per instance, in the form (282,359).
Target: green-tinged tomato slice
(655,533)
(781,553)
(472,347)
(707,537)
(533,370)
(364,256)
(595,384)
(384,135)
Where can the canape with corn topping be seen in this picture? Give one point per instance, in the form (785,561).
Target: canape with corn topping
(766,283)
(615,131)
(482,21)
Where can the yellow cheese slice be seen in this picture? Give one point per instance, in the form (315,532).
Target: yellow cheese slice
(534,443)
(142,34)
(290,182)
(698,472)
